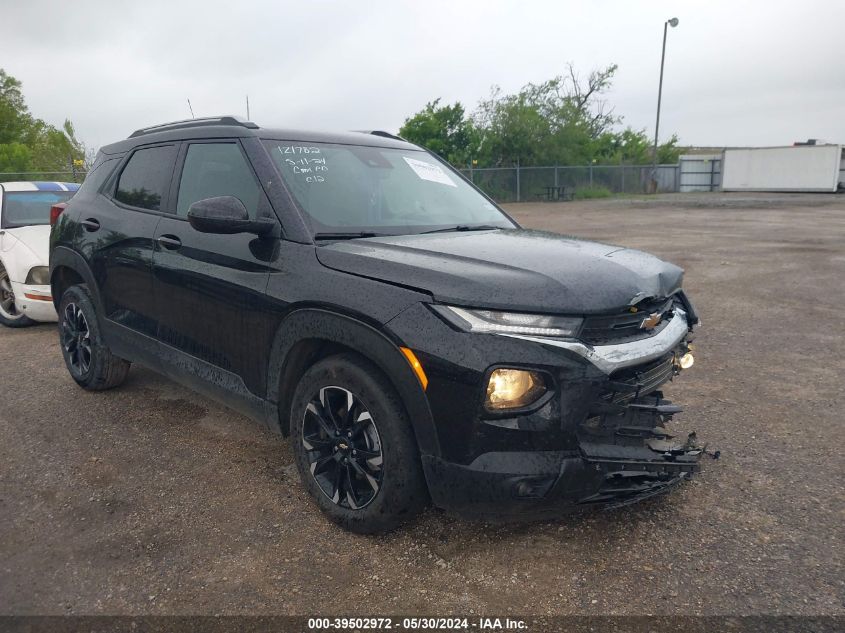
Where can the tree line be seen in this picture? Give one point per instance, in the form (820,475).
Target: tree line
(562,121)
(29,144)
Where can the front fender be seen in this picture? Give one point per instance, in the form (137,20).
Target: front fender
(323,325)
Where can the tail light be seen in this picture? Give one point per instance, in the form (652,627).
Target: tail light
(56,211)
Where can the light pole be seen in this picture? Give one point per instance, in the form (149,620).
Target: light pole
(673,22)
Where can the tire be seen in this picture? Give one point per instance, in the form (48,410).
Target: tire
(381,484)
(10,316)
(88,359)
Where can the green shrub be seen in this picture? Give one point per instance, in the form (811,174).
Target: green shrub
(590,193)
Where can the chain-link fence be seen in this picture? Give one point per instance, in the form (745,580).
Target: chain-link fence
(76,175)
(504,184)
(521,184)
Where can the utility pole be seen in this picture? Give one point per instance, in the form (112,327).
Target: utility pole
(673,22)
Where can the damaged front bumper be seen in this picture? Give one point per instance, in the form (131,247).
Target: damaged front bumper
(621,450)
(647,462)
(641,459)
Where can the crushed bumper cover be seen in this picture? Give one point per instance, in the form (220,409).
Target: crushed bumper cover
(536,485)
(630,476)
(625,455)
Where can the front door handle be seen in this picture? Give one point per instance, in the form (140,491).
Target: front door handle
(91,224)
(170,242)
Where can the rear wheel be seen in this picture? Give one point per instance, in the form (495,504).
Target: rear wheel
(354,446)
(88,359)
(10,316)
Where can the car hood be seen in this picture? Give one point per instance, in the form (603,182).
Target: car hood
(36,239)
(524,270)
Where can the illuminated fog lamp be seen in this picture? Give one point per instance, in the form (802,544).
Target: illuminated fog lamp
(686,361)
(513,388)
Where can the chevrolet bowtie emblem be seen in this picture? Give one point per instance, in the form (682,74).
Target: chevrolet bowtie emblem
(343,446)
(651,321)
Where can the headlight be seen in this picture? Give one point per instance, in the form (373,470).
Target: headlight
(513,388)
(493,322)
(38,276)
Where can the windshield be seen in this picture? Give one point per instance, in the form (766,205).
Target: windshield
(25,208)
(349,189)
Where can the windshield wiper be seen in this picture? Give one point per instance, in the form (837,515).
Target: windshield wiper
(347,236)
(464,227)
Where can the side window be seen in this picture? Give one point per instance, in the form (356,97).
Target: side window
(94,179)
(216,169)
(146,177)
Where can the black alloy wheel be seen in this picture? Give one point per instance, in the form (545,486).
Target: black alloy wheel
(87,357)
(354,445)
(76,339)
(343,447)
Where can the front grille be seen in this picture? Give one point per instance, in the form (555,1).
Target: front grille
(635,382)
(627,400)
(624,326)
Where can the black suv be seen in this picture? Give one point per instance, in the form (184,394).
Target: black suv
(355,292)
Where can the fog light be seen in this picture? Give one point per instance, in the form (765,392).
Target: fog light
(686,361)
(532,488)
(513,388)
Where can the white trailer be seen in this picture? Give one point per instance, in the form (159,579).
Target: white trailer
(794,168)
(699,172)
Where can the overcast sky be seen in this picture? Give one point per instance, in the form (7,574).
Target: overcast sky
(766,72)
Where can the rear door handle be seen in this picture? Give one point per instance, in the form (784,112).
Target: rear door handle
(91,224)
(170,242)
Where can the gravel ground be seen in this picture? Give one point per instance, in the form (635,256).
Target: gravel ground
(151,500)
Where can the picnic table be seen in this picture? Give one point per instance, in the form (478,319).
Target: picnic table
(555,193)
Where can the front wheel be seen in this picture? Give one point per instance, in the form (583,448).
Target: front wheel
(10,316)
(354,446)
(89,360)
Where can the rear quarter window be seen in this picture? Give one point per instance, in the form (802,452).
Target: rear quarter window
(146,177)
(98,175)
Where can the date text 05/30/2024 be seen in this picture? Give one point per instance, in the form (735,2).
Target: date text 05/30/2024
(416,624)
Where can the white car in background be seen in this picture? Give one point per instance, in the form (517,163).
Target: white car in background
(25,249)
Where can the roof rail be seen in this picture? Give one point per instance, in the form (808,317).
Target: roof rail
(395,137)
(381,133)
(188,123)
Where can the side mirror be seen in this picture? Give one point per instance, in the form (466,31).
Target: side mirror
(226,215)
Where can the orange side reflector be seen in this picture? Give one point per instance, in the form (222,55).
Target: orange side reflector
(37,297)
(415,365)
